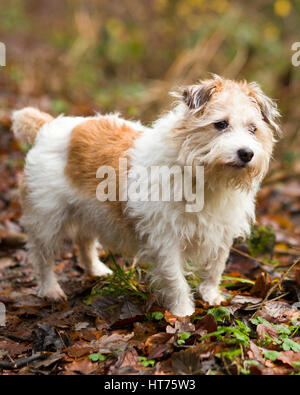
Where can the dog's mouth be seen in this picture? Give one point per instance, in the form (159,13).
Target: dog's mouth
(236,165)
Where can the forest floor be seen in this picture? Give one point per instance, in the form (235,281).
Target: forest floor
(113,326)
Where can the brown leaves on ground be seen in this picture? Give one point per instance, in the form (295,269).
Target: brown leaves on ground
(266,329)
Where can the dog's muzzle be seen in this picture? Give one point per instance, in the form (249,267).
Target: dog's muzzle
(245,155)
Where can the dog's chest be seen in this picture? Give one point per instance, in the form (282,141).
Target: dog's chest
(222,219)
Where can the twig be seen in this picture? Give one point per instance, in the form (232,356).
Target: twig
(278,284)
(289,251)
(22,361)
(253,306)
(15,338)
(248,256)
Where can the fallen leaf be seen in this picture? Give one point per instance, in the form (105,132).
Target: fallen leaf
(181,326)
(116,312)
(288,315)
(54,357)
(158,345)
(186,362)
(12,239)
(101,324)
(84,366)
(78,350)
(245,300)
(13,349)
(160,351)
(107,308)
(81,325)
(275,371)
(47,338)
(129,310)
(262,285)
(171,318)
(273,310)
(256,353)
(112,343)
(289,357)
(207,323)
(6,262)
(127,358)
(266,329)
(142,330)
(158,338)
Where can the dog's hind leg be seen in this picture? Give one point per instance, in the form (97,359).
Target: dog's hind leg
(88,257)
(42,258)
(43,229)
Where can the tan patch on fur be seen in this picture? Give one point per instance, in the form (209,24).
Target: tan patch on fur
(38,122)
(95,143)
(27,122)
(266,140)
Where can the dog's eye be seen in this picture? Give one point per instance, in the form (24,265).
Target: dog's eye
(221,125)
(252,128)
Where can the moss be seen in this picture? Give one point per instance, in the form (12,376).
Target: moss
(261,240)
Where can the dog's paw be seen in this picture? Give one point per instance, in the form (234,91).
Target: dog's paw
(53,293)
(211,295)
(183,309)
(99,270)
(215,299)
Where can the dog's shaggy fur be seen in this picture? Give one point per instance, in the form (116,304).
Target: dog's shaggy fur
(228,127)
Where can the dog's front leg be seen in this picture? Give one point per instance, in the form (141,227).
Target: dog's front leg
(168,279)
(211,275)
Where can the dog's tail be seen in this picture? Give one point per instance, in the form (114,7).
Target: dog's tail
(27,122)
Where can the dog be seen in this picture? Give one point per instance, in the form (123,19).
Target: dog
(227,127)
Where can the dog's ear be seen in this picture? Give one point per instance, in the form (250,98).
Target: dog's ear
(196,96)
(268,107)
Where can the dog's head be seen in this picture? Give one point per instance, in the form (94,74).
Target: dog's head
(229,127)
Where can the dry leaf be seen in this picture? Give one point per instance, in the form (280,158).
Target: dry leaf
(84,366)
(289,357)
(265,329)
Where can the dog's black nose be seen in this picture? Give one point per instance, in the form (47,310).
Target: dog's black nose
(245,154)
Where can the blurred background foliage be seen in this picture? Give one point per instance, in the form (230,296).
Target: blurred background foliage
(82,56)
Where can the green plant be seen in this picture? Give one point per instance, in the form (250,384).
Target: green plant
(220,313)
(155,315)
(285,334)
(182,337)
(289,344)
(146,362)
(271,355)
(247,363)
(230,354)
(235,280)
(261,241)
(231,334)
(123,282)
(297,365)
(97,357)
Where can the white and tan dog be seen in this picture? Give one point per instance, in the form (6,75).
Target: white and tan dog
(226,126)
